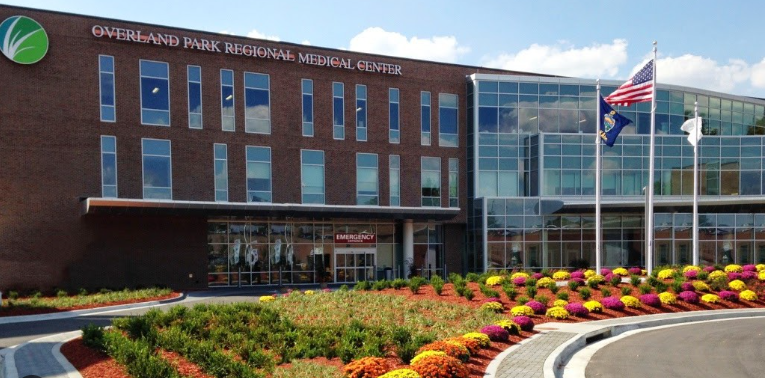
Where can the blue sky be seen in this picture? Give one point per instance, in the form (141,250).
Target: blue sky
(705,44)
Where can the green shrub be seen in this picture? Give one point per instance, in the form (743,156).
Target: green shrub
(454,277)
(398,283)
(510,291)
(553,287)
(573,285)
(615,280)
(82,292)
(661,287)
(138,357)
(343,288)
(438,284)
(408,349)
(543,299)
(585,293)
(562,295)
(104,291)
(702,275)
(677,286)
(93,336)
(415,283)
(380,285)
(605,292)
(645,289)
(531,291)
(468,294)
(36,294)
(61,293)
(531,283)
(626,290)
(13,295)
(635,280)
(522,300)
(487,291)
(593,284)
(546,272)
(362,286)
(719,284)
(473,277)
(652,280)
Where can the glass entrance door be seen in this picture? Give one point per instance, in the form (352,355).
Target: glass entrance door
(354,264)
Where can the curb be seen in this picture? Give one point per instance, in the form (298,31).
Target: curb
(76,313)
(71,371)
(554,362)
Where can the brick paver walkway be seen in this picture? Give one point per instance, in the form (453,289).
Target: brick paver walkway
(529,359)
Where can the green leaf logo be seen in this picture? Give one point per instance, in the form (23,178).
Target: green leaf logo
(23,40)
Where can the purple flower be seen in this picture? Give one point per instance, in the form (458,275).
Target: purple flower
(635,270)
(605,272)
(730,296)
(577,274)
(608,277)
(519,281)
(495,333)
(709,269)
(650,300)
(577,309)
(748,275)
(612,303)
(537,276)
(689,297)
(750,268)
(539,308)
(691,274)
(524,322)
(492,299)
(734,276)
(580,281)
(687,286)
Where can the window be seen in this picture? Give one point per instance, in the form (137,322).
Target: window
(312,176)
(431,181)
(425,118)
(394,161)
(157,169)
(361,113)
(394,135)
(155,93)
(258,174)
(257,108)
(227,114)
(454,200)
(367,186)
(307,88)
(106,86)
(220,161)
(194,74)
(108,166)
(447,120)
(338,121)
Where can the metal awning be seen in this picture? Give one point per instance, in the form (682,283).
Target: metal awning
(120,206)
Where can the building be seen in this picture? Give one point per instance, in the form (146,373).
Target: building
(138,154)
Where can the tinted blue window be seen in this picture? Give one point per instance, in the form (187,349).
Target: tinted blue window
(155,94)
(195,98)
(394,117)
(307,108)
(425,118)
(448,119)
(154,69)
(107,89)
(338,111)
(487,120)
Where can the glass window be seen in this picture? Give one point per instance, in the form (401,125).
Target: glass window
(155,93)
(367,185)
(394,136)
(108,166)
(454,200)
(227,113)
(307,88)
(425,118)
(258,174)
(257,103)
(394,162)
(157,169)
(220,164)
(106,88)
(194,75)
(312,176)
(447,120)
(338,109)
(361,113)
(430,183)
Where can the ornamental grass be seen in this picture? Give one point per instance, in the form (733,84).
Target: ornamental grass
(452,349)
(689,297)
(482,339)
(561,275)
(748,295)
(522,310)
(577,309)
(495,280)
(612,303)
(669,298)
(630,301)
(493,306)
(737,285)
(496,333)
(538,307)
(710,298)
(727,295)
(733,268)
(526,324)
(367,367)
(557,313)
(652,300)
(401,373)
(510,326)
(441,367)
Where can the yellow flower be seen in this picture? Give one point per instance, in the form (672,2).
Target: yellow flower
(561,275)
(717,274)
(560,303)
(401,373)
(545,282)
(267,298)
(761,275)
(493,306)
(630,301)
(691,267)
(737,285)
(667,298)
(700,286)
(589,273)
(748,295)
(593,306)
(596,278)
(733,268)
(522,310)
(557,313)
(643,272)
(510,326)
(760,267)
(309,292)
(482,338)
(495,280)
(519,274)
(426,353)
(666,274)
(620,272)
(710,298)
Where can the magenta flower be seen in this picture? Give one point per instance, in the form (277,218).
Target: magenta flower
(687,286)
(577,274)
(730,296)
(605,271)
(580,281)
(608,277)
(650,300)
(538,307)
(537,276)
(612,303)
(748,275)
(709,269)
(749,268)
(691,274)
(495,333)
(577,309)
(524,322)
(519,281)
(635,270)
(689,297)
(734,276)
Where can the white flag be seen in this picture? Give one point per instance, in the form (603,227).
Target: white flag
(689,127)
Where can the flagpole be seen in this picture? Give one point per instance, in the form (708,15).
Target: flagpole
(696,132)
(597,183)
(650,186)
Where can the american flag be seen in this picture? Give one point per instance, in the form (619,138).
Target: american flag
(637,89)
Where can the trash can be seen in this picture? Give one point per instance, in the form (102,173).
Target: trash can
(389,274)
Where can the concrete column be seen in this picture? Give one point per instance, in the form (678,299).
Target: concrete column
(408,245)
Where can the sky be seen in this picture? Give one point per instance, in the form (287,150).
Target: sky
(707,44)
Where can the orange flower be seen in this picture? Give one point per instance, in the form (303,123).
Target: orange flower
(367,367)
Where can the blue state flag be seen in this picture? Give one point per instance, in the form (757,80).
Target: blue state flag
(611,123)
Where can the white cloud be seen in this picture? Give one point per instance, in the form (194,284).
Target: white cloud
(256,34)
(378,41)
(306,42)
(699,72)
(598,60)
(758,74)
